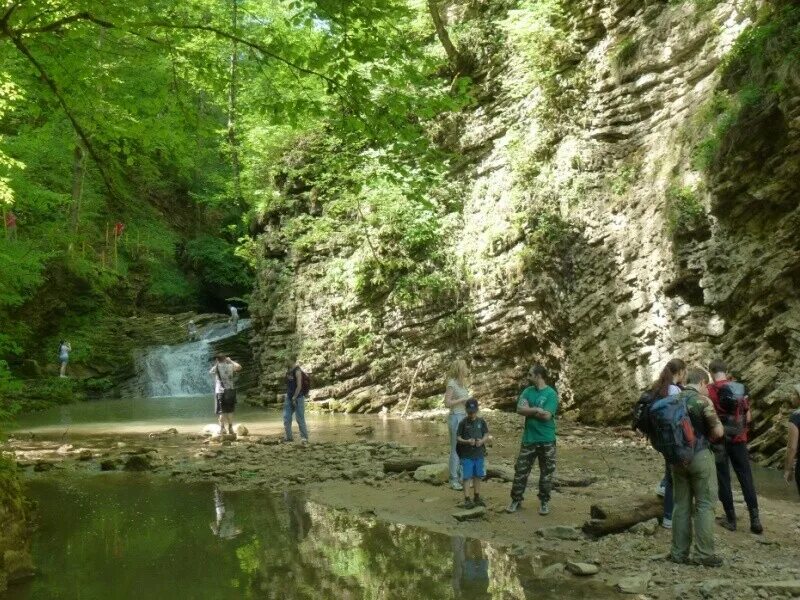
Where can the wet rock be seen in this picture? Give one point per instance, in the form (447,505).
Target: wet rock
(42,466)
(552,570)
(241,430)
(582,569)
(64,449)
(109,464)
(635,584)
(138,462)
(469,513)
(18,565)
(166,432)
(560,532)
(85,454)
(436,473)
(366,430)
(788,588)
(647,527)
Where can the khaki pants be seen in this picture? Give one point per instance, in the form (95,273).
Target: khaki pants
(694,489)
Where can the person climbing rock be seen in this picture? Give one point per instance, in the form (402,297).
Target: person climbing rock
(297,388)
(733,408)
(538,403)
(64,349)
(670,382)
(234,320)
(694,483)
(471,435)
(191,329)
(792,454)
(456,394)
(224,390)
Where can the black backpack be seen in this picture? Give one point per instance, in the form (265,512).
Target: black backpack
(640,416)
(305,383)
(734,402)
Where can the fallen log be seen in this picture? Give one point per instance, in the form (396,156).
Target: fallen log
(623,514)
(400,465)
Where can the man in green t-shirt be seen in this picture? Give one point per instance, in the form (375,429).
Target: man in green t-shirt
(538,403)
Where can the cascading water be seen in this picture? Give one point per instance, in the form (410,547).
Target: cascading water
(182,370)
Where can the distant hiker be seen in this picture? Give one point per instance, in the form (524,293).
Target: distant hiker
(298,385)
(234,320)
(64,349)
(472,435)
(733,408)
(792,454)
(670,382)
(455,396)
(538,403)
(11,226)
(224,390)
(683,428)
(192,330)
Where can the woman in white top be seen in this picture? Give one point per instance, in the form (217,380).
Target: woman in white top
(454,398)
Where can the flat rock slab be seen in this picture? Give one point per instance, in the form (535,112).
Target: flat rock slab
(470,513)
(582,569)
(560,532)
(635,584)
(435,473)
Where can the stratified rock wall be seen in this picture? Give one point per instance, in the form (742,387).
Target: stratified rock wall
(663,258)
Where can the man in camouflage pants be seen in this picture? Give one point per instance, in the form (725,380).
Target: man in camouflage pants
(538,404)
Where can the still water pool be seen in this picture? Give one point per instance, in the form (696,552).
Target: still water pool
(123,536)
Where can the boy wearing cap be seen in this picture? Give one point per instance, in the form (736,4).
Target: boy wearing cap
(471,435)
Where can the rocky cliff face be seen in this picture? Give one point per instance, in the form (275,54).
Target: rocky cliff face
(631,199)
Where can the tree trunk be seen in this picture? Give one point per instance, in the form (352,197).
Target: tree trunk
(78,170)
(441,32)
(623,514)
(233,141)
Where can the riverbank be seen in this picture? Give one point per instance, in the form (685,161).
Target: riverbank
(15,560)
(346,468)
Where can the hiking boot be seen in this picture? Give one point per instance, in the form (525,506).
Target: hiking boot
(479,501)
(514,506)
(678,560)
(708,561)
(544,508)
(455,485)
(727,523)
(755,524)
(467,504)
(666,523)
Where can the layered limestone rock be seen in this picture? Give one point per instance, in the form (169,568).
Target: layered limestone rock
(593,242)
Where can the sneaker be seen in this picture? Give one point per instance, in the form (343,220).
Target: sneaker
(666,523)
(479,501)
(467,503)
(455,485)
(709,561)
(303,441)
(727,523)
(679,560)
(661,489)
(544,508)
(514,506)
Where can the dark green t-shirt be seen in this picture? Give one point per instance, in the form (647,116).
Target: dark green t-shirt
(536,431)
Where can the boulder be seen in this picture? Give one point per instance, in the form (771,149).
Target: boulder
(85,454)
(560,532)
(241,430)
(436,473)
(635,584)
(42,465)
(109,464)
(469,513)
(138,462)
(18,564)
(582,569)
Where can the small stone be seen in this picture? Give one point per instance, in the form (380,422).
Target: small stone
(85,454)
(582,569)
(646,527)
(635,584)
(560,532)
(241,430)
(470,513)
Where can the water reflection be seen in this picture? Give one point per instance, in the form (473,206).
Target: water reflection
(126,537)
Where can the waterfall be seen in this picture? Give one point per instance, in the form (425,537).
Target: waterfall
(182,370)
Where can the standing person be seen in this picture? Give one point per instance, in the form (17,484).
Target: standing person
(191,329)
(733,408)
(64,349)
(792,454)
(695,483)
(538,403)
(224,390)
(471,436)
(297,388)
(670,382)
(455,396)
(234,320)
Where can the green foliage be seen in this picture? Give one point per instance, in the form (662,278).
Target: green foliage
(625,52)
(217,263)
(685,211)
(548,237)
(623,179)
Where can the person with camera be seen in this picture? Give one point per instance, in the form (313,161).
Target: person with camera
(224,390)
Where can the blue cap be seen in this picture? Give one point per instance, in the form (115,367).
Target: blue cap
(471,405)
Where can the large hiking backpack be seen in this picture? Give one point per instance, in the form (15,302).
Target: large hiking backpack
(305,383)
(734,404)
(671,430)
(640,415)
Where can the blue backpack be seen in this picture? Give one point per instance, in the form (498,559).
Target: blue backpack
(671,430)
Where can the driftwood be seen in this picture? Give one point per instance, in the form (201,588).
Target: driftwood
(622,514)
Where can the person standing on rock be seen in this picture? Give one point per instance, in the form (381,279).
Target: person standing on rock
(695,484)
(234,320)
(538,403)
(455,396)
(224,390)
(733,408)
(297,388)
(792,454)
(64,349)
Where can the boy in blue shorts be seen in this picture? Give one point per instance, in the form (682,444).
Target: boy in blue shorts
(471,435)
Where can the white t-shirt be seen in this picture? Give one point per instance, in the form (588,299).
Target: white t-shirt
(223,372)
(459,393)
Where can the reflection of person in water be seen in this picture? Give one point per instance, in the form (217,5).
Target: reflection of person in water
(470,568)
(223,527)
(299,519)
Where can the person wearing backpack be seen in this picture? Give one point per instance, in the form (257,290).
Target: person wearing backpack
(733,407)
(298,384)
(683,427)
(224,390)
(792,453)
